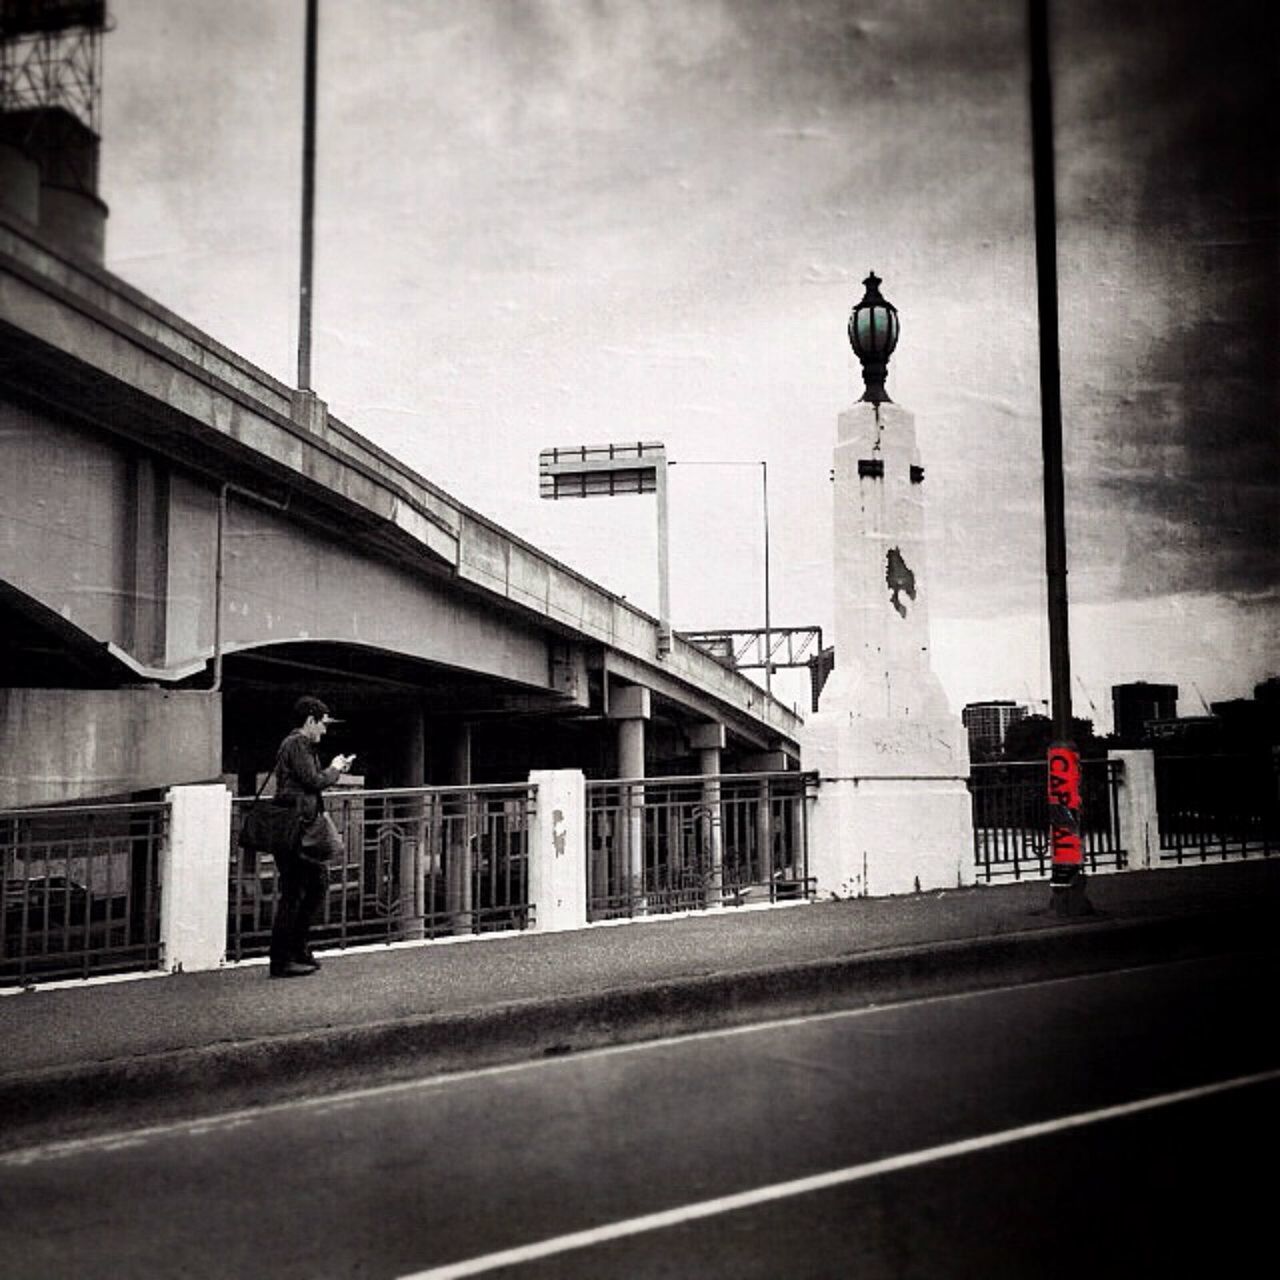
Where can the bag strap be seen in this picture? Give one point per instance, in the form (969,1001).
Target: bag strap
(267,779)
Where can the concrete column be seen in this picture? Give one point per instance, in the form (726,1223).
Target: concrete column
(893,812)
(764,831)
(1137,812)
(631,846)
(146,568)
(631,748)
(412,773)
(194,875)
(461,762)
(629,705)
(460,864)
(558,850)
(708,741)
(413,762)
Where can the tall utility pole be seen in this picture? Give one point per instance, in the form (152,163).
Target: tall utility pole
(308,199)
(1068,879)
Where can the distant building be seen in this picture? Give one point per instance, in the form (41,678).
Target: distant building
(987,723)
(1133,706)
(1248,723)
(1186,733)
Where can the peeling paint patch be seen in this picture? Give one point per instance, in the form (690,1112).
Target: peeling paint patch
(899,579)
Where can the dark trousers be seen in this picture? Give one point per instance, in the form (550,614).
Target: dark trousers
(302,888)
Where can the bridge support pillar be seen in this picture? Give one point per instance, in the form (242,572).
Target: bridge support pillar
(629,705)
(461,855)
(413,766)
(709,740)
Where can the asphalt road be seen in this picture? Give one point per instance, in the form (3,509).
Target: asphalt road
(1095,1126)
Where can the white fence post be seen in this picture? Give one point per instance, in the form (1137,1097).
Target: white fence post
(558,850)
(1136,808)
(194,876)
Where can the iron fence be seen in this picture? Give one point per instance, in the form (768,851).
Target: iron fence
(1217,807)
(81,890)
(1011,818)
(659,845)
(417,863)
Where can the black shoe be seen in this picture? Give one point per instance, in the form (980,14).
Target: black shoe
(292,970)
(310,959)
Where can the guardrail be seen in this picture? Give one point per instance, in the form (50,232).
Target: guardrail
(81,890)
(1011,818)
(660,845)
(418,863)
(1217,807)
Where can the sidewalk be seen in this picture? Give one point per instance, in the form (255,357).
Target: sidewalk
(139,1050)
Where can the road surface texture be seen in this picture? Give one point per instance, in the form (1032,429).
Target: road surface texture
(1111,1124)
(90,1057)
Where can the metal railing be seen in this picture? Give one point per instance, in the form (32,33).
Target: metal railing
(1217,807)
(660,845)
(418,863)
(1011,818)
(81,890)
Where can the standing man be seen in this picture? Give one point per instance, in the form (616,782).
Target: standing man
(302,871)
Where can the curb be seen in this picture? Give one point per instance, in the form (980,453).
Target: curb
(65,1101)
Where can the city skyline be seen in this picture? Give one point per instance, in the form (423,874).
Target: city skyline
(1262,693)
(555,224)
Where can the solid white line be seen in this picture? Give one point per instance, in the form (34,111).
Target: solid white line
(353,1097)
(818,1182)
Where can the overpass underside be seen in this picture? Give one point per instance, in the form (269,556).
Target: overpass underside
(184,550)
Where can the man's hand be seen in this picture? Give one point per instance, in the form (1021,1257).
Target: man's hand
(342,763)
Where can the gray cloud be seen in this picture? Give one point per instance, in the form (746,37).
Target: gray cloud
(549,221)
(1171,129)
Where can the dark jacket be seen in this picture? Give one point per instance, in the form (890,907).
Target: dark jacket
(299,777)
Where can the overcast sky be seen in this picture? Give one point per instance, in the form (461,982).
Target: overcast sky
(547,222)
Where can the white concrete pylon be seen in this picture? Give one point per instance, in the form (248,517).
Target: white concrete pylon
(893,813)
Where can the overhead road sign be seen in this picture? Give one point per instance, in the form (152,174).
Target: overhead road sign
(611,470)
(600,470)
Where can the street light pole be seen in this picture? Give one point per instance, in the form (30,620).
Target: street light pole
(308,199)
(1067,895)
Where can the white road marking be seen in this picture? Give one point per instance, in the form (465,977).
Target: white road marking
(819,1182)
(353,1097)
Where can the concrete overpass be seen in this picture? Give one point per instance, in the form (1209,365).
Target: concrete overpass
(186,544)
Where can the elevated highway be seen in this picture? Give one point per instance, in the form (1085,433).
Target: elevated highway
(186,544)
